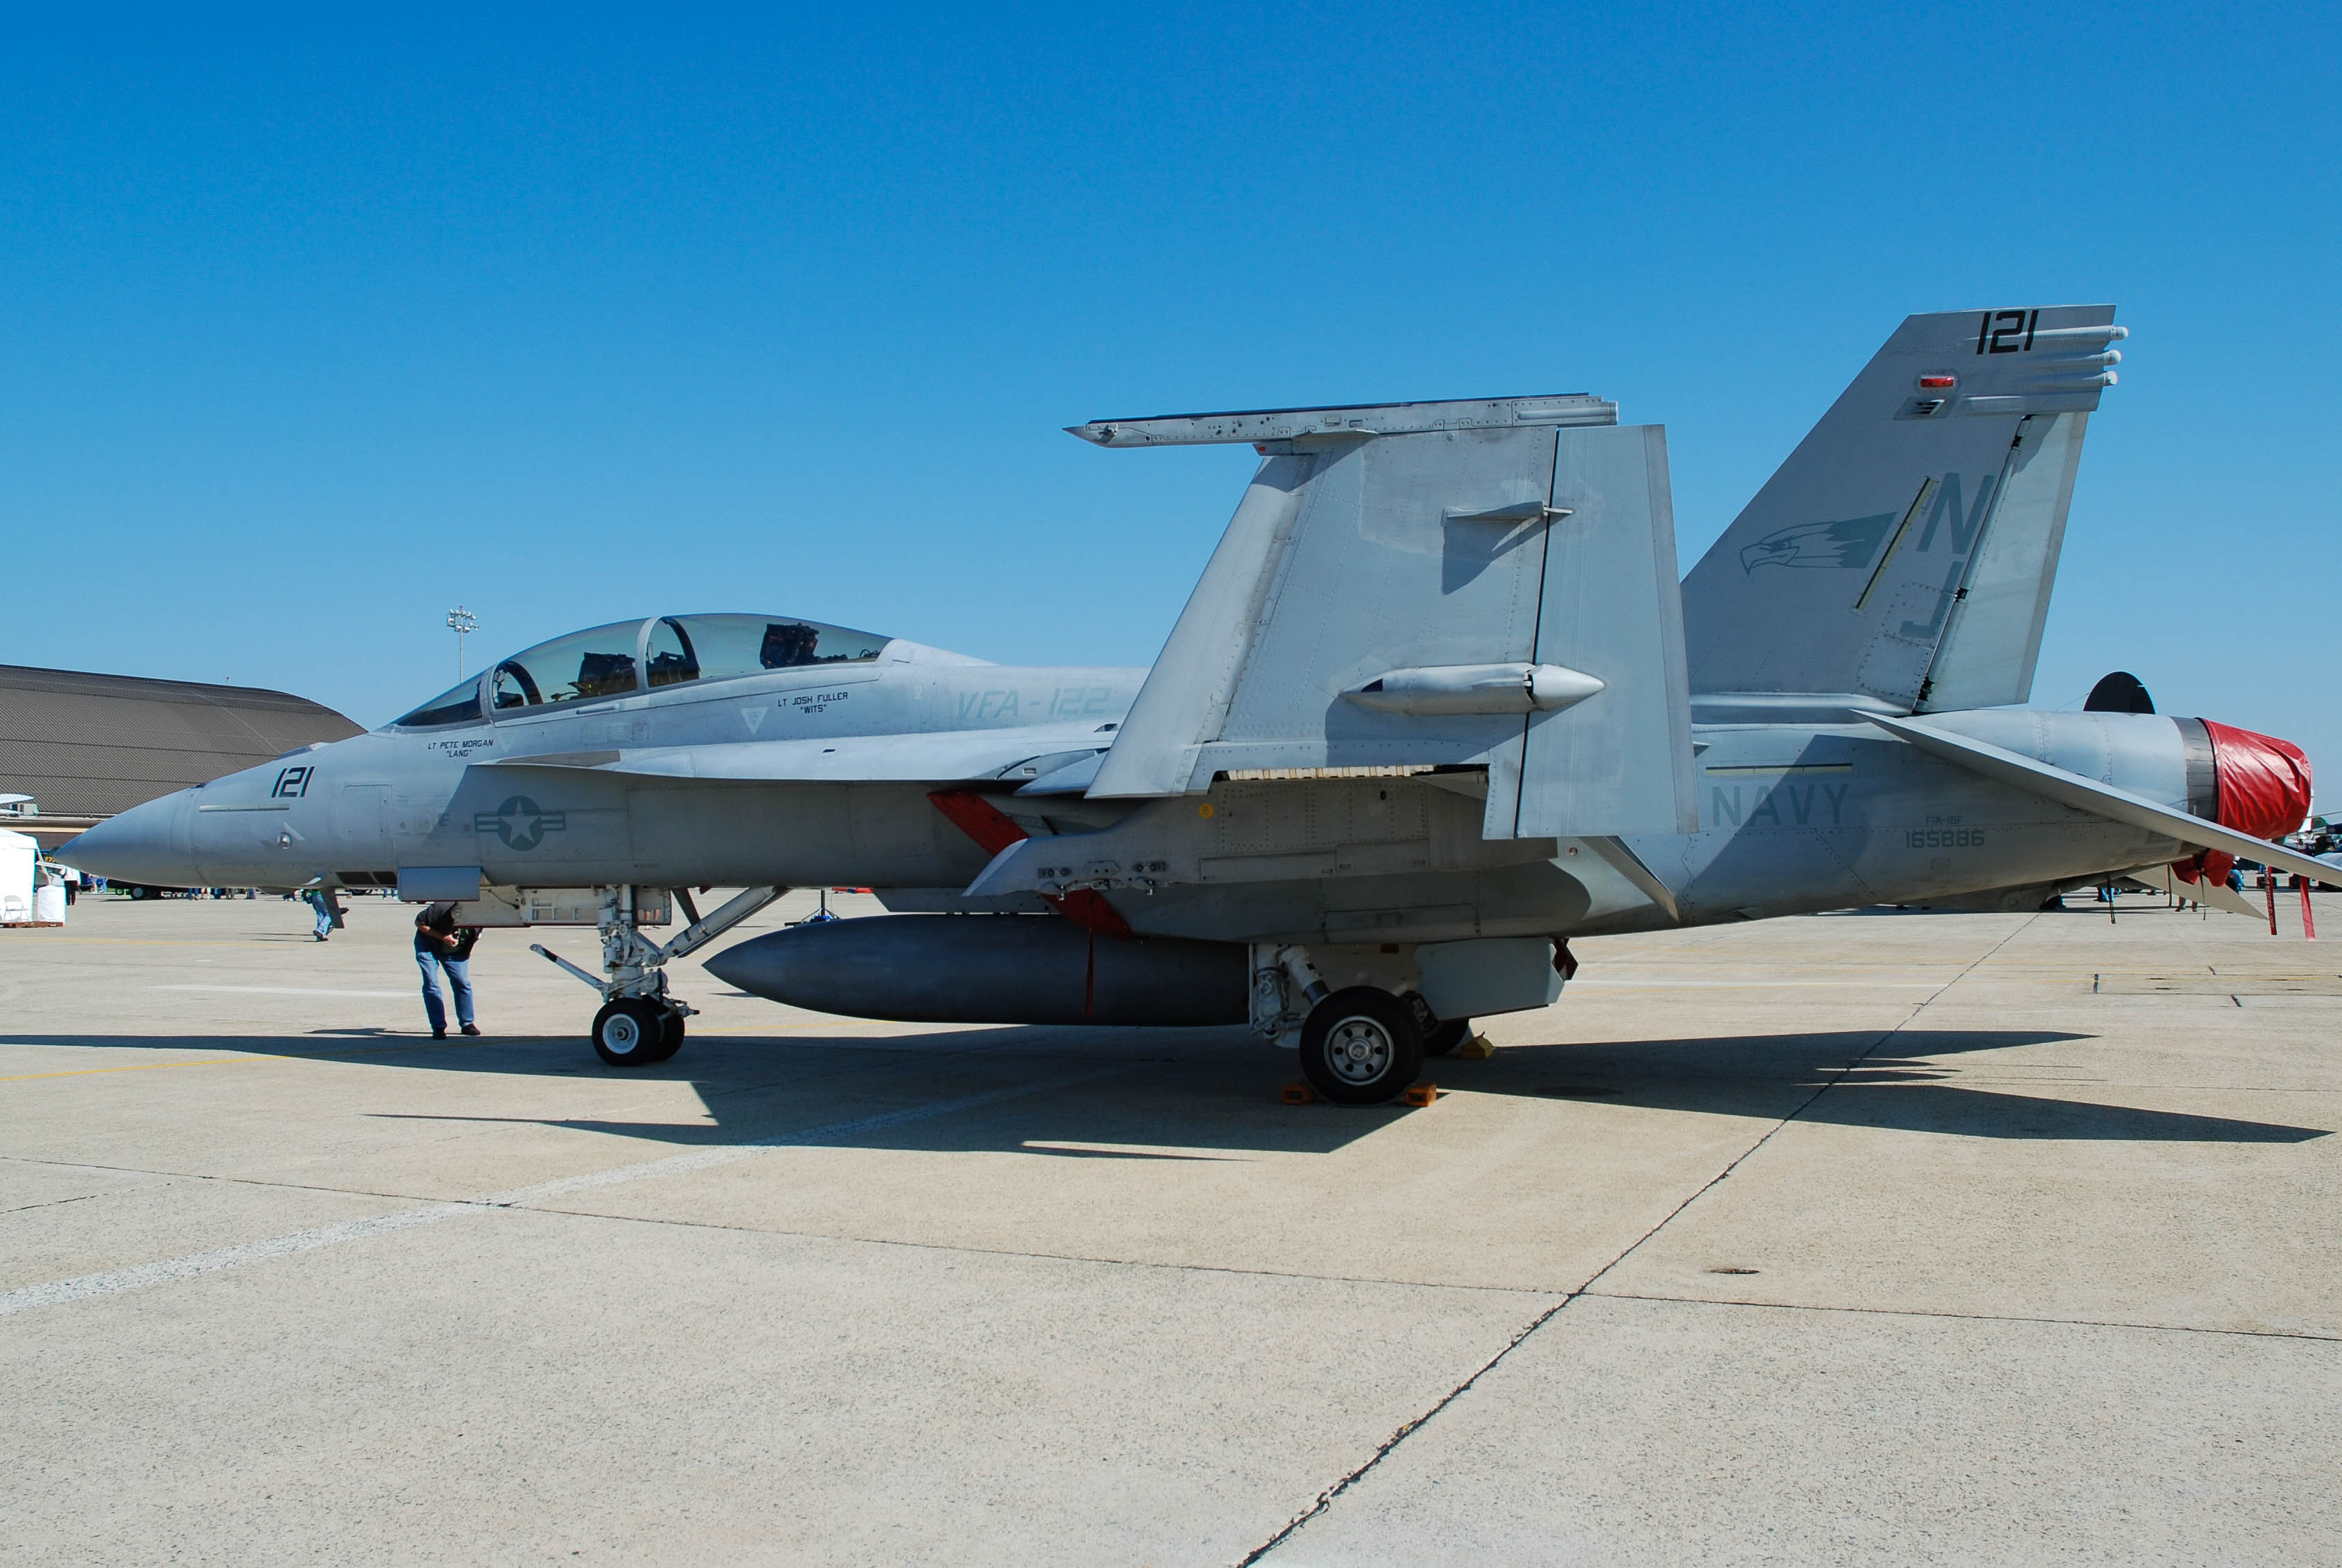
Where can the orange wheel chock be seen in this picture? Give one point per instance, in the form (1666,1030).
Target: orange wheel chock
(1420,1095)
(1296,1094)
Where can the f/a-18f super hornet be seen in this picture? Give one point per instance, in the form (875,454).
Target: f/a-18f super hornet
(1437,705)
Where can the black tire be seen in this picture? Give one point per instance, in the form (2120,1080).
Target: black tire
(138,893)
(628,1033)
(1443,1041)
(1361,1047)
(1439,1037)
(670,1034)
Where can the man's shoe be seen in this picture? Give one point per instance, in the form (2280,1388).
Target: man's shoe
(438,1033)
(471,1029)
(319,935)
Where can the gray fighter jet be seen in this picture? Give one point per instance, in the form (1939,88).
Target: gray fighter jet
(1437,705)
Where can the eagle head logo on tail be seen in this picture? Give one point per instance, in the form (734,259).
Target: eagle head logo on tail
(1850,543)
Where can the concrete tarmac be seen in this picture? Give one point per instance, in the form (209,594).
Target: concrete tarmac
(1874,1237)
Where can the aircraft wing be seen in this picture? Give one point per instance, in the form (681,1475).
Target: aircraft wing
(950,757)
(2005,766)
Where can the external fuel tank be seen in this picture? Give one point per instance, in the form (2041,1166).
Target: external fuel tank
(991,969)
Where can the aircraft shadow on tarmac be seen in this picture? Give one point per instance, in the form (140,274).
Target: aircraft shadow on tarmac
(1216,1089)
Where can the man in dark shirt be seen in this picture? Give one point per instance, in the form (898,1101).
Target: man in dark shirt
(441,947)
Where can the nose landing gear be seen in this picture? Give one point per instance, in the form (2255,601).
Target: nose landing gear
(639,1023)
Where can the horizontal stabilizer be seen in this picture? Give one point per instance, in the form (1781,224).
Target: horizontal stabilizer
(2206,891)
(2008,767)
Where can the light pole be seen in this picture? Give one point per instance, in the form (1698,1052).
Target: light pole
(461,621)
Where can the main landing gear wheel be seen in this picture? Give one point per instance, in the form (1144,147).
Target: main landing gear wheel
(632,1032)
(1361,1047)
(1443,1041)
(1440,1038)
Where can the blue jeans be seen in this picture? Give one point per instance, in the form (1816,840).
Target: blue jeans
(459,981)
(324,913)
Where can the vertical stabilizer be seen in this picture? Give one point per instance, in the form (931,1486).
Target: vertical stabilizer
(1907,549)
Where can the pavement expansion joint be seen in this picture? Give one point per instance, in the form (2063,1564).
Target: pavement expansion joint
(1406,1430)
(961,1247)
(51,1204)
(228,1180)
(1968,1317)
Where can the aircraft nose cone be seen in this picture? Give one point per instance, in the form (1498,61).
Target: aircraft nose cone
(141,845)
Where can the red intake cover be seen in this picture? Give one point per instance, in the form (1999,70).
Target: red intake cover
(2264,790)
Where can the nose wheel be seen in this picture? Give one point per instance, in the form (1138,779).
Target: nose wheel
(1361,1047)
(636,1032)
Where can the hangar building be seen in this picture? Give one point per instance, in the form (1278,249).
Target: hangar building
(84,747)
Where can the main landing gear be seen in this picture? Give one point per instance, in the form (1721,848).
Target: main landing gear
(1361,1047)
(639,1023)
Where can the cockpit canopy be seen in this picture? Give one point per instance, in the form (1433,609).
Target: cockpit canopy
(629,657)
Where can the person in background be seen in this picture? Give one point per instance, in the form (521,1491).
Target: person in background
(314,897)
(443,947)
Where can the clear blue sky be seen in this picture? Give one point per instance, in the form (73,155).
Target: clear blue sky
(312,327)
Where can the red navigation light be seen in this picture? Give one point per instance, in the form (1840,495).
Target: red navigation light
(1938,382)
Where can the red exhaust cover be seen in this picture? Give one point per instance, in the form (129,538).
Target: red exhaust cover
(2263,791)
(2264,781)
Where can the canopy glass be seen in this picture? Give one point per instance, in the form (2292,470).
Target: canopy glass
(627,656)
